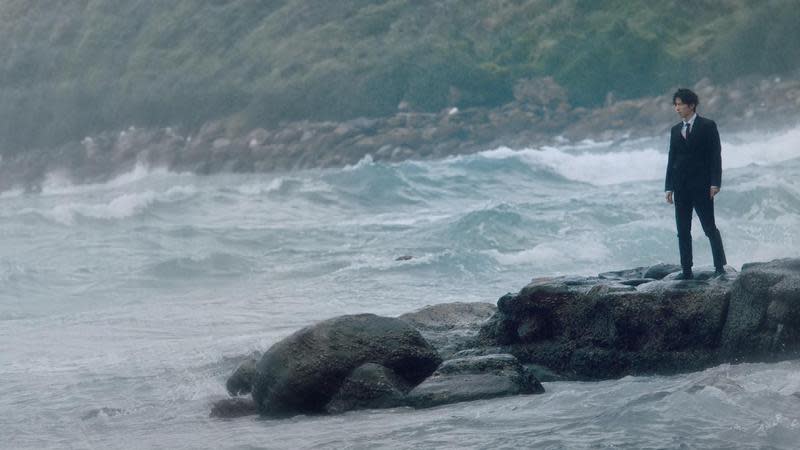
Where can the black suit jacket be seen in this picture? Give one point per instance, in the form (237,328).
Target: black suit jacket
(695,163)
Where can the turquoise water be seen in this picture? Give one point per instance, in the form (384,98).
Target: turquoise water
(124,305)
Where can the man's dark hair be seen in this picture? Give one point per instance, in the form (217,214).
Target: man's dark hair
(687,96)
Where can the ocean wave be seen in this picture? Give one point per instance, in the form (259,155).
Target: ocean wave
(60,182)
(217,264)
(279,185)
(594,168)
(119,207)
(760,149)
(556,253)
(373,184)
(502,160)
(12,193)
(606,163)
(499,226)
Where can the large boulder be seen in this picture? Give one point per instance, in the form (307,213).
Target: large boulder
(475,378)
(303,372)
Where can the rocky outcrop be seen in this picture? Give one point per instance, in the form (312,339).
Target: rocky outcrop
(623,323)
(630,322)
(305,371)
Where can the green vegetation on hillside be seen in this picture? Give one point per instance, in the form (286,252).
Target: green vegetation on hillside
(69,68)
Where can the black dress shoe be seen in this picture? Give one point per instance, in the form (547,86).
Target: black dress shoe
(685,276)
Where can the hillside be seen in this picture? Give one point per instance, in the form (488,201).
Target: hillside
(70,68)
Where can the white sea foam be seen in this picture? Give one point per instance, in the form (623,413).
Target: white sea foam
(12,193)
(123,206)
(554,253)
(261,188)
(120,207)
(601,168)
(363,162)
(60,182)
(637,160)
(761,149)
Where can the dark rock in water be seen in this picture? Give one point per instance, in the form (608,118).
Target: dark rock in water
(450,327)
(230,408)
(369,386)
(302,373)
(241,382)
(604,327)
(404,258)
(474,378)
(105,411)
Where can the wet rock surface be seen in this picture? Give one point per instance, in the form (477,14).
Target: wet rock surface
(370,386)
(475,378)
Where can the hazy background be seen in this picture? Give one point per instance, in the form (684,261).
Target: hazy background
(72,68)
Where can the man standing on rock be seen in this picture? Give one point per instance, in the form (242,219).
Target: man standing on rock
(694,177)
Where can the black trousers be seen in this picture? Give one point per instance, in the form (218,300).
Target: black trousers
(698,200)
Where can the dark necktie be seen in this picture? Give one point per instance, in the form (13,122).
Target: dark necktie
(688,130)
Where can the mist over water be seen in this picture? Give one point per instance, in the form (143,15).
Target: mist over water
(124,305)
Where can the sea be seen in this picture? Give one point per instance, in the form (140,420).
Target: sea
(125,305)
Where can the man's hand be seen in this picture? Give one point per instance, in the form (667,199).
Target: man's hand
(669,197)
(713,191)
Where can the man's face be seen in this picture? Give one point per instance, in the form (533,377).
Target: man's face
(683,110)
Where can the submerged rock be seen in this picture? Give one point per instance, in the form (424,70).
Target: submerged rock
(475,378)
(102,412)
(303,372)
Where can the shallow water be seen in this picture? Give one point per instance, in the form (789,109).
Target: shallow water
(124,305)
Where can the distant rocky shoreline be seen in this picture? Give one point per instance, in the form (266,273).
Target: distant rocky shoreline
(640,321)
(539,115)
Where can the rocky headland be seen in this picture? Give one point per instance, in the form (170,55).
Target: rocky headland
(539,115)
(640,321)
